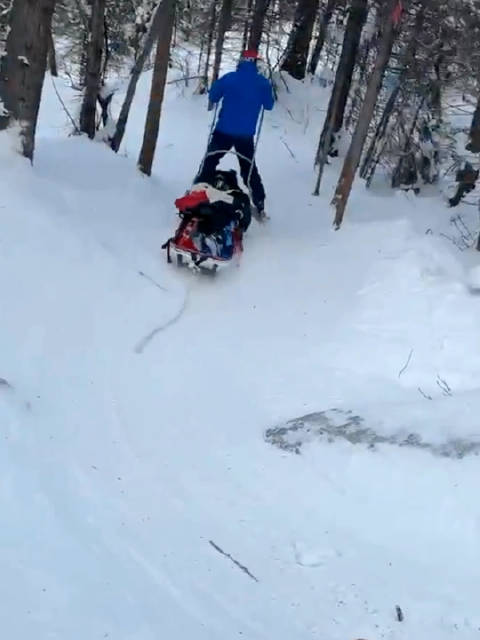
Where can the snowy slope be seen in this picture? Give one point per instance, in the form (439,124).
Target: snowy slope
(133,421)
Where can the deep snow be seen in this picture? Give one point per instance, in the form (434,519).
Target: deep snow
(138,396)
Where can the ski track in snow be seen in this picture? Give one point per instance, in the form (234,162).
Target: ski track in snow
(118,472)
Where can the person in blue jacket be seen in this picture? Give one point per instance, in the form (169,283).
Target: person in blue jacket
(244,93)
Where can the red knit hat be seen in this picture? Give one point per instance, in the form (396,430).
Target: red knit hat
(250,54)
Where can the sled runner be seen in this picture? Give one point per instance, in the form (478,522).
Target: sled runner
(213,218)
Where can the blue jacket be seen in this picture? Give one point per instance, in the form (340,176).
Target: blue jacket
(244,93)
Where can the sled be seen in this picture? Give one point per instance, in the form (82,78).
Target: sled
(210,234)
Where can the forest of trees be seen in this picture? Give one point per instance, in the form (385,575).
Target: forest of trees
(393,66)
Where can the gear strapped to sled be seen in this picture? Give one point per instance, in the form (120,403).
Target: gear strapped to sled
(213,219)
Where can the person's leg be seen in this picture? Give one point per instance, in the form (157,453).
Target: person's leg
(218,147)
(245,147)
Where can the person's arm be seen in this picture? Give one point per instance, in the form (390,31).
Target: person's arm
(217,90)
(268,99)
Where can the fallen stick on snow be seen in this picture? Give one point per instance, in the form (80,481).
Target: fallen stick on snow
(406,365)
(227,555)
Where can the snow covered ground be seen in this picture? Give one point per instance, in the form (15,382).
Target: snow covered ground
(135,399)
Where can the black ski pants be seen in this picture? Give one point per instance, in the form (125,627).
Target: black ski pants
(219,145)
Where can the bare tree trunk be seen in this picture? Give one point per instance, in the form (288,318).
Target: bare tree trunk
(211,31)
(246,25)
(473,144)
(327,13)
(23,66)
(93,77)
(157,92)
(52,58)
(295,62)
(258,20)
(187,20)
(373,154)
(150,39)
(354,154)
(224,23)
(341,88)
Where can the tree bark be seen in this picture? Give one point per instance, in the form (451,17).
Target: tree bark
(354,154)
(22,69)
(246,25)
(211,31)
(150,39)
(157,92)
(372,156)
(473,144)
(295,62)
(52,58)
(343,80)
(93,74)
(224,22)
(258,20)
(322,34)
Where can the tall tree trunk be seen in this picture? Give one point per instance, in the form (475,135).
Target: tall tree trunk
(354,154)
(295,62)
(93,76)
(327,13)
(22,69)
(52,57)
(343,80)
(258,20)
(224,23)
(211,31)
(157,92)
(149,41)
(473,144)
(375,148)
(246,24)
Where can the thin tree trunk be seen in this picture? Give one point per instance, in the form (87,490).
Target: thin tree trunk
(373,154)
(258,20)
(341,88)
(322,34)
(354,154)
(22,69)
(150,39)
(246,25)
(295,62)
(473,144)
(211,31)
(157,92)
(224,23)
(52,58)
(93,77)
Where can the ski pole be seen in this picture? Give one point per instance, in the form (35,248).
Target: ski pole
(210,135)
(252,162)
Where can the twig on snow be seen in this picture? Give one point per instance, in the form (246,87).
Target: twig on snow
(235,562)
(444,386)
(424,394)
(405,367)
(288,148)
